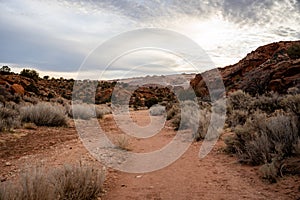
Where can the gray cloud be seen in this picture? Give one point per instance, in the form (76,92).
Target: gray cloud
(240,11)
(35,49)
(58,35)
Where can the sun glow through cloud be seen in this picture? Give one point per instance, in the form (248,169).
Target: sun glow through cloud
(56,36)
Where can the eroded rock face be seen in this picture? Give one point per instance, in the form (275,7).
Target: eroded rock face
(269,68)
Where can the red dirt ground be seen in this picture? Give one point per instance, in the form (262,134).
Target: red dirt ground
(217,176)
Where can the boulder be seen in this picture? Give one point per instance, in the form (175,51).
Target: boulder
(17,89)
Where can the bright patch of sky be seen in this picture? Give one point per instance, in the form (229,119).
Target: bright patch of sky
(54,37)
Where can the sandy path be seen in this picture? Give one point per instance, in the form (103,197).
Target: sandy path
(217,176)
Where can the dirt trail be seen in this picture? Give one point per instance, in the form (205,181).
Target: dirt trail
(217,176)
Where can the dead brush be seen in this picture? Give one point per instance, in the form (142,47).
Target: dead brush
(63,183)
(122,142)
(44,114)
(9,119)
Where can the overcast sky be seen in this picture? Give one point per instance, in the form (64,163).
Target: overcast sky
(55,36)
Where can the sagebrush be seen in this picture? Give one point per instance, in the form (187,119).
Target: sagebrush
(157,110)
(87,111)
(44,114)
(64,183)
(9,119)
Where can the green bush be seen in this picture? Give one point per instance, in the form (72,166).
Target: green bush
(5,70)
(44,114)
(30,73)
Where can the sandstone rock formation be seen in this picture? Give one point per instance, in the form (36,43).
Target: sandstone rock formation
(268,68)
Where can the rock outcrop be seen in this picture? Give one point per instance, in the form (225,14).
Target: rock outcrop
(268,68)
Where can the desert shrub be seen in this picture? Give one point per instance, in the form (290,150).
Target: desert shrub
(87,111)
(78,182)
(30,73)
(238,107)
(186,117)
(33,100)
(44,114)
(267,102)
(9,119)
(157,110)
(262,139)
(185,95)
(151,101)
(69,182)
(5,70)
(5,95)
(271,171)
(173,111)
(33,88)
(239,100)
(237,117)
(279,167)
(102,110)
(291,103)
(294,51)
(122,142)
(204,122)
(81,111)
(293,90)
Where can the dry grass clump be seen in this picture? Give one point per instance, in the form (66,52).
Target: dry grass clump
(102,110)
(30,126)
(87,111)
(44,114)
(81,111)
(157,110)
(185,117)
(122,142)
(204,123)
(65,183)
(9,119)
(73,182)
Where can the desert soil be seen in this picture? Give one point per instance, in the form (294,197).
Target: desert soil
(217,176)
